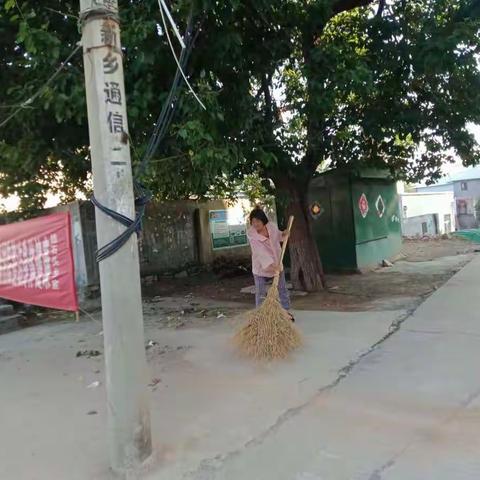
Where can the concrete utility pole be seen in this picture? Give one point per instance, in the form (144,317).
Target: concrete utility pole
(126,368)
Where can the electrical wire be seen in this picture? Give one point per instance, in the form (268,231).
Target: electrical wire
(43,88)
(172,22)
(166,115)
(176,59)
(142,194)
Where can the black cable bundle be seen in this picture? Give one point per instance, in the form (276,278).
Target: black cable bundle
(142,194)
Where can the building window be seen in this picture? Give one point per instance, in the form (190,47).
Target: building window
(424,228)
(464,186)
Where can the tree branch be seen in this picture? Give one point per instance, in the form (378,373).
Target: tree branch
(381,7)
(311,160)
(345,5)
(265,88)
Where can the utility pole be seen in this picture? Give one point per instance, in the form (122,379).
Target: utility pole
(125,362)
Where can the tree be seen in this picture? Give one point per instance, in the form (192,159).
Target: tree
(45,146)
(289,85)
(35,146)
(301,84)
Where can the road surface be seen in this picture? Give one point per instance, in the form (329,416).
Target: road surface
(408,410)
(372,396)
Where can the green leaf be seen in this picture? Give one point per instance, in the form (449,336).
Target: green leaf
(9,4)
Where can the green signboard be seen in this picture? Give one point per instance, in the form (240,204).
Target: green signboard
(227,229)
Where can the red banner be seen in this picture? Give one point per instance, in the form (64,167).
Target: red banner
(36,262)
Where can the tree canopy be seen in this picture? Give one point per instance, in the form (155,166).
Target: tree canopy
(290,86)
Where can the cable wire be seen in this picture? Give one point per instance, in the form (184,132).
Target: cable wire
(176,58)
(172,22)
(142,194)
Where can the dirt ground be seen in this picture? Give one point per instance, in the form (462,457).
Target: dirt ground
(373,290)
(429,249)
(206,298)
(423,267)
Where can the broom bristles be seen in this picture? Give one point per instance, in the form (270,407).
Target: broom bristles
(269,332)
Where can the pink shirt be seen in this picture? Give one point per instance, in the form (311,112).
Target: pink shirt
(265,251)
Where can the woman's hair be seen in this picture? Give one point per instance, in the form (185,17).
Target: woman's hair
(259,214)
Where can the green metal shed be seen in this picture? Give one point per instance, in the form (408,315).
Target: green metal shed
(356,218)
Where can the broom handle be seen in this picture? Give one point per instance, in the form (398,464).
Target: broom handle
(284,246)
(284,249)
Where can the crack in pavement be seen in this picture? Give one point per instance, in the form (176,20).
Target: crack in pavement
(377,474)
(209,467)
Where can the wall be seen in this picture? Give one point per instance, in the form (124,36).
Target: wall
(175,236)
(415,226)
(378,232)
(89,234)
(466,201)
(473,189)
(332,226)
(168,241)
(348,239)
(427,203)
(467,221)
(207,255)
(81,276)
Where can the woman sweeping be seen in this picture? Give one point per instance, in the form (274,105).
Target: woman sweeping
(265,238)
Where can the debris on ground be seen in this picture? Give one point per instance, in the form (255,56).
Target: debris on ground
(229,268)
(154,382)
(88,353)
(94,384)
(160,351)
(92,412)
(150,344)
(386,263)
(250,290)
(298,293)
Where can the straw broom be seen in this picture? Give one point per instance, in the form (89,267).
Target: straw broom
(269,332)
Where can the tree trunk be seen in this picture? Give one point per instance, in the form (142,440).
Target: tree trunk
(306,266)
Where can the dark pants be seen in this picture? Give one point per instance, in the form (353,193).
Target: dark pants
(261,287)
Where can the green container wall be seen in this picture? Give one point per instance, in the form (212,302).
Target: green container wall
(333,229)
(346,240)
(378,234)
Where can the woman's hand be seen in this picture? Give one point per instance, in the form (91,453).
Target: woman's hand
(275,269)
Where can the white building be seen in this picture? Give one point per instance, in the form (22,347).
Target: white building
(465,186)
(427,213)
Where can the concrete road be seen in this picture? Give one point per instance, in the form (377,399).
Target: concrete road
(205,400)
(372,395)
(408,410)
